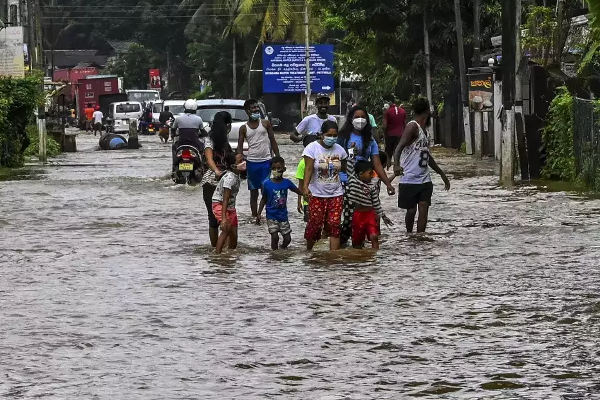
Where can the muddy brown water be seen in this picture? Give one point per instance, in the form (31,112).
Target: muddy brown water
(109,290)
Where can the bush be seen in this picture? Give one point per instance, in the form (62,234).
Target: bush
(558,138)
(52,146)
(18,100)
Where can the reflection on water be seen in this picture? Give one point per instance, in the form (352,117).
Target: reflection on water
(110,289)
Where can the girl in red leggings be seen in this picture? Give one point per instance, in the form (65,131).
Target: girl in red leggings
(324,160)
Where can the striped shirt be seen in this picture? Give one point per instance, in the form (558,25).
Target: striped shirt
(360,193)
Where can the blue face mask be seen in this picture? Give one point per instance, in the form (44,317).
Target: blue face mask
(255,116)
(329,141)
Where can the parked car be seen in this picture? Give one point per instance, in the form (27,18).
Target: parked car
(208,108)
(120,114)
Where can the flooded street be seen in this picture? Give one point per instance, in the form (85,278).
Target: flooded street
(109,290)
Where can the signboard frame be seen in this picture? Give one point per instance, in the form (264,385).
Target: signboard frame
(284,68)
(481,84)
(12,57)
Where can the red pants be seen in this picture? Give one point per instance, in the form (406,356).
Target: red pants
(324,212)
(364,225)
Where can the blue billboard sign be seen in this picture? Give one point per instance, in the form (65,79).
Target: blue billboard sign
(284,68)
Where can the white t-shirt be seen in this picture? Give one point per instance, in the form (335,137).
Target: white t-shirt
(325,181)
(98,117)
(229,181)
(311,125)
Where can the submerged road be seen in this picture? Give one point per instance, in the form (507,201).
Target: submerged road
(109,290)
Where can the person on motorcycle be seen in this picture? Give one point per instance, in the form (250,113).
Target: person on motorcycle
(188,127)
(145,121)
(165,116)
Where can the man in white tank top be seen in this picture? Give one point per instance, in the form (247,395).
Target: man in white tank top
(412,160)
(262,146)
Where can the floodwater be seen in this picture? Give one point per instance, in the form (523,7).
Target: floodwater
(108,290)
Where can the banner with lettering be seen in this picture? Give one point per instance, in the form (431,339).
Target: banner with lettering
(154,78)
(481,92)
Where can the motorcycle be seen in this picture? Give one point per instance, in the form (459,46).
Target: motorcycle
(164,131)
(188,165)
(151,128)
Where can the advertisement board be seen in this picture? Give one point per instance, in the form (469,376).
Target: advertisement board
(284,68)
(154,78)
(12,60)
(481,91)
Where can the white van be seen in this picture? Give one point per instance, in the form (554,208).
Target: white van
(122,112)
(175,106)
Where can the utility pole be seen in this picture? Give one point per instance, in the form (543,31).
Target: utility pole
(428,71)
(234,69)
(40,67)
(306,37)
(476,34)
(509,68)
(30,35)
(464,93)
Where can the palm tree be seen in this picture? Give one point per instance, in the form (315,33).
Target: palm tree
(274,18)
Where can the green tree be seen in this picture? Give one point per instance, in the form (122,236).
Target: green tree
(133,66)
(383,41)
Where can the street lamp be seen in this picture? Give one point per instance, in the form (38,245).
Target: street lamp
(250,70)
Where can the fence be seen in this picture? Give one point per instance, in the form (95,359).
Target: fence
(586,140)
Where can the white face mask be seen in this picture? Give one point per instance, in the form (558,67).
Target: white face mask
(359,123)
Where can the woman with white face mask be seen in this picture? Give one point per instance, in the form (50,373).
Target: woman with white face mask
(356,136)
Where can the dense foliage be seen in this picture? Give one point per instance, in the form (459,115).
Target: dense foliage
(18,100)
(558,138)
(52,146)
(384,41)
(133,66)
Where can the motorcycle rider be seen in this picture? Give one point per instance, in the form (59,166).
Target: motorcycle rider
(187,128)
(146,120)
(165,116)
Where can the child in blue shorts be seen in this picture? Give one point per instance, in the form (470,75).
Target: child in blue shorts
(275,192)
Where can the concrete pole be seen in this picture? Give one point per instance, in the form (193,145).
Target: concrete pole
(340,90)
(496,119)
(41,122)
(428,76)
(476,34)
(478,134)
(250,69)
(234,66)
(509,8)
(464,93)
(518,76)
(508,148)
(307,56)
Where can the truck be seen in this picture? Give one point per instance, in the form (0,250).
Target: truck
(96,90)
(143,96)
(73,75)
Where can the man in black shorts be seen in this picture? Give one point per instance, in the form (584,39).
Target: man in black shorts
(412,159)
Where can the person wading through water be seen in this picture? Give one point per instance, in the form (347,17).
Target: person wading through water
(261,148)
(412,160)
(216,150)
(311,125)
(356,136)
